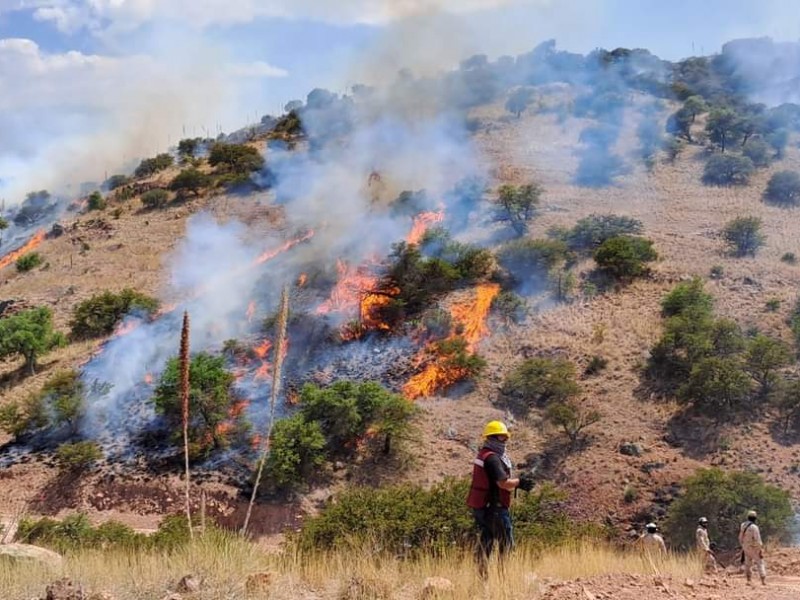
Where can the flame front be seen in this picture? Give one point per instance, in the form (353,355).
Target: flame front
(31,244)
(422,222)
(438,373)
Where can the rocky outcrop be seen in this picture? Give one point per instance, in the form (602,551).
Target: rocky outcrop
(32,554)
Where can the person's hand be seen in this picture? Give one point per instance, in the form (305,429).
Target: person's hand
(525,483)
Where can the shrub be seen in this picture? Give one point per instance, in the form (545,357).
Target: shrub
(210,399)
(456,357)
(794,322)
(572,418)
(117,181)
(154,199)
(437,322)
(717,386)
(289,124)
(717,272)
(728,169)
(151,166)
(773,304)
(190,180)
(759,152)
(516,205)
(96,201)
(99,315)
(686,296)
(630,495)
(188,147)
(596,364)
(784,188)
(238,159)
(764,358)
(724,499)
(787,401)
(743,235)
(723,127)
(510,307)
(778,140)
(64,393)
(30,334)
(789,258)
(297,451)
(531,261)
(28,262)
(590,232)
(624,257)
(537,381)
(79,455)
(407,519)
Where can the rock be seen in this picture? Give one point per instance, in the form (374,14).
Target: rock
(28,553)
(689,583)
(437,587)
(258,582)
(631,449)
(57,230)
(189,584)
(64,589)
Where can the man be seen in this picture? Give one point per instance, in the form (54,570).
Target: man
(490,494)
(652,543)
(704,544)
(752,547)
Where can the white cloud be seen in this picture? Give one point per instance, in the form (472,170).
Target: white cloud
(257,69)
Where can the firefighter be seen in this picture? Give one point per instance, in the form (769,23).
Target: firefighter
(490,494)
(704,544)
(652,543)
(752,548)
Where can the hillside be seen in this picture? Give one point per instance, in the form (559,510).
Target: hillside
(147,250)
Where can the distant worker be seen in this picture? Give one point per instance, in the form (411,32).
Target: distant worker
(704,544)
(490,494)
(652,543)
(752,547)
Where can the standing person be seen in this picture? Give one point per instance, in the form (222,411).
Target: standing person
(490,494)
(652,543)
(704,544)
(752,547)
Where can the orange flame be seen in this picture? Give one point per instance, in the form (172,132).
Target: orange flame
(422,222)
(251,310)
(126,327)
(346,294)
(31,244)
(301,281)
(148,378)
(263,349)
(269,254)
(438,373)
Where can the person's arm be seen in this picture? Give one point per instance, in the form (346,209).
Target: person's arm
(496,473)
(508,484)
(662,544)
(757,536)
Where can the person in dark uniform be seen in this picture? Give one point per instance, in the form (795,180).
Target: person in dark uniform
(490,494)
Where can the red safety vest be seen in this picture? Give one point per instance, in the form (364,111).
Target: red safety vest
(480,493)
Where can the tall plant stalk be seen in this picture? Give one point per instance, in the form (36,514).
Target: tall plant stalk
(184,389)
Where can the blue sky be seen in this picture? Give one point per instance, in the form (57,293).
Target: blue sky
(75,71)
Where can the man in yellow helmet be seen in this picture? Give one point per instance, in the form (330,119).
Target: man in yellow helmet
(490,493)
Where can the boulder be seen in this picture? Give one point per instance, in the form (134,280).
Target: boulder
(631,449)
(437,587)
(189,584)
(30,554)
(65,589)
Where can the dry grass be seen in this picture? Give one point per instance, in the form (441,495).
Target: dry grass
(225,562)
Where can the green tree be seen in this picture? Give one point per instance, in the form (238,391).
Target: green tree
(743,235)
(188,147)
(625,257)
(590,232)
(532,260)
(728,169)
(680,123)
(153,199)
(297,451)
(518,100)
(96,201)
(723,127)
(116,181)
(239,159)
(78,456)
(784,188)
(151,166)
(695,105)
(724,499)
(30,334)
(64,394)
(190,180)
(685,296)
(572,418)
(99,315)
(787,401)
(539,381)
(210,399)
(764,359)
(717,386)
(28,262)
(517,205)
(511,307)
(778,140)
(758,151)
(3,227)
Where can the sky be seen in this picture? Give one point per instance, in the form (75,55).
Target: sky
(87,87)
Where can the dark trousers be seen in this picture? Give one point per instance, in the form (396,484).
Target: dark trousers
(495,527)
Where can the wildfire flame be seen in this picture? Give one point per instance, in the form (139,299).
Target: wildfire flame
(438,373)
(269,254)
(126,327)
(301,281)
(346,294)
(422,222)
(251,310)
(148,378)
(31,244)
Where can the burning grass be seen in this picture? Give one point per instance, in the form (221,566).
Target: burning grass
(226,562)
(28,246)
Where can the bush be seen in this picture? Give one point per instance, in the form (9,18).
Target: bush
(784,188)
(789,258)
(630,495)
(238,159)
(624,257)
(759,152)
(151,166)
(787,401)
(28,262)
(717,272)
(773,304)
(517,205)
(96,201)
(743,236)
(154,199)
(510,307)
(64,395)
(99,315)
(188,147)
(79,455)
(297,451)
(30,334)
(717,386)
(794,322)
(117,181)
(411,519)
(190,180)
(764,359)
(210,399)
(724,499)
(728,169)
(457,358)
(687,296)
(724,127)
(596,364)
(530,261)
(537,381)
(572,418)
(590,232)
(289,124)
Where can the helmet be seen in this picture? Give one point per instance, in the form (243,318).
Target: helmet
(495,428)
(702,521)
(752,514)
(651,527)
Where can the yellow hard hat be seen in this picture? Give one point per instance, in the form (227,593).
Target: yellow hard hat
(752,513)
(495,428)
